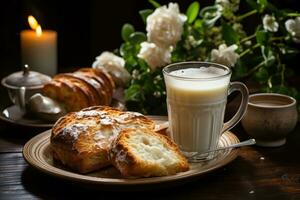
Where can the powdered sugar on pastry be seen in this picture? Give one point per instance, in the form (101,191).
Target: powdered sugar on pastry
(90,134)
(74,130)
(106,120)
(89,113)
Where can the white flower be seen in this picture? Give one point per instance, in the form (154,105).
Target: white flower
(232,5)
(248,43)
(165,25)
(191,42)
(135,74)
(225,2)
(270,23)
(154,55)
(114,65)
(157,94)
(293,27)
(225,55)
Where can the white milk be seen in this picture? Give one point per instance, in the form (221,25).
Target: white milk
(196,106)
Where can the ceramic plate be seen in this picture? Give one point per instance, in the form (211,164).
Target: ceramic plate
(14,115)
(37,152)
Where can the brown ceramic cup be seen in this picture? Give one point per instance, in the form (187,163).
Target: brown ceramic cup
(269,118)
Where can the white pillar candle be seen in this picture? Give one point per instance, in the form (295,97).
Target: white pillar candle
(39,50)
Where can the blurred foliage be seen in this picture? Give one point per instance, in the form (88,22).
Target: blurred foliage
(263,54)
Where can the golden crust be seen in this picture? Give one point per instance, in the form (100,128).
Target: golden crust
(104,76)
(92,85)
(81,89)
(105,89)
(63,91)
(145,160)
(81,139)
(79,83)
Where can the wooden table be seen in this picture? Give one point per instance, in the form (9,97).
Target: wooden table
(257,173)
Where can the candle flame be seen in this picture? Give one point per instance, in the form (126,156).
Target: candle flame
(32,22)
(34,25)
(38,31)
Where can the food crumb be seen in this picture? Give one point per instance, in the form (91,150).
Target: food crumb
(251,192)
(262,158)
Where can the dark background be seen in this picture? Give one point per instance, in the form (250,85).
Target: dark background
(85,28)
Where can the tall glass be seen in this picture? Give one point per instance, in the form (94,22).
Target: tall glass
(196,98)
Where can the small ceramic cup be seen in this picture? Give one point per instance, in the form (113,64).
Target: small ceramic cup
(269,118)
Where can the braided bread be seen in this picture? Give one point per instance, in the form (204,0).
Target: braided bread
(83,88)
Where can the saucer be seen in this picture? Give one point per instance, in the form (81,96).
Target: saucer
(14,115)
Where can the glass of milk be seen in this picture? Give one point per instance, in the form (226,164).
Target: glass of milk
(196,98)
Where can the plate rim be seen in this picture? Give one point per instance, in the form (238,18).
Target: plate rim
(69,175)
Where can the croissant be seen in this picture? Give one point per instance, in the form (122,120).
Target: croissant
(83,88)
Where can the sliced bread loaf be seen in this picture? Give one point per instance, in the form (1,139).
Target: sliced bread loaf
(141,152)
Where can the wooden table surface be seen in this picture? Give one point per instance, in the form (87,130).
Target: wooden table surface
(257,173)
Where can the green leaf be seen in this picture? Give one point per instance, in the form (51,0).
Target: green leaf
(262,37)
(253,4)
(229,34)
(267,54)
(132,62)
(274,80)
(263,3)
(281,89)
(143,65)
(126,49)
(198,23)
(154,3)
(133,93)
(278,12)
(239,70)
(137,38)
(262,75)
(192,12)
(127,29)
(259,5)
(145,13)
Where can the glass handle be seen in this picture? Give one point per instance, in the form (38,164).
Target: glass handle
(237,86)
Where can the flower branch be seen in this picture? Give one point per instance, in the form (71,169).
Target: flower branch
(213,33)
(241,17)
(293,14)
(249,50)
(248,38)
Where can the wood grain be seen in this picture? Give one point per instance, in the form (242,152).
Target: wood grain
(12,138)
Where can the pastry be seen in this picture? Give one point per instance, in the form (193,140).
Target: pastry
(141,152)
(83,88)
(81,140)
(73,98)
(99,75)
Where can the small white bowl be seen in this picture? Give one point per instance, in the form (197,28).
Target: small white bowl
(269,118)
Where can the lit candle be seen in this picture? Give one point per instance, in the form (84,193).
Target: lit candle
(39,48)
